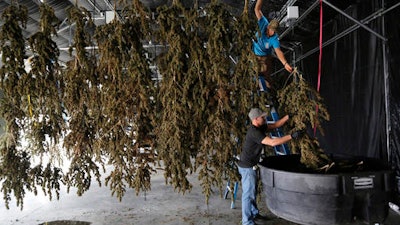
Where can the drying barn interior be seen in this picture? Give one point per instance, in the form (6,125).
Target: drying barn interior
(136,111)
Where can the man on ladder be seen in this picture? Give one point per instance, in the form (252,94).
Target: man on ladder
(266,41)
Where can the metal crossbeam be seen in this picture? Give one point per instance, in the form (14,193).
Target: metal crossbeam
(354,20)
(368,19)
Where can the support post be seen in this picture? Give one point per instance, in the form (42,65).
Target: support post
(387,88)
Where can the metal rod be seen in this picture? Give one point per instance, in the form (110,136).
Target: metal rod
(386,86)
(354,20)
(93,4)
(276,72)
(233,60)
(392,7)
(86,48)
(97,47)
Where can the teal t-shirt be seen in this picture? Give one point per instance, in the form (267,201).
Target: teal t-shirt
(263,44)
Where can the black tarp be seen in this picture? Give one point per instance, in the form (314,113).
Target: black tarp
(353,84)
(393,30)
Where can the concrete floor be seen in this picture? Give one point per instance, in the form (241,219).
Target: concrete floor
(159,206)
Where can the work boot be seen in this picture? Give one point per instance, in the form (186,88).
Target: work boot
(259,218)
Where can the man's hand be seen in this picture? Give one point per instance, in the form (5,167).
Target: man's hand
(288,67)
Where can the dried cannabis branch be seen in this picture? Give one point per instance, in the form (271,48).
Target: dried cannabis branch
(14,162)
(299,100)
(30,106)
(43,85)
(217,142)
(175,118)
(82,105)
(126,88)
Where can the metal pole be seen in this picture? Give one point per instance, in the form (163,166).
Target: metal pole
(354,20)
(386,84)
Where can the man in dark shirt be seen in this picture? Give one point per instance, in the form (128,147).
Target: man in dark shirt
(254,142)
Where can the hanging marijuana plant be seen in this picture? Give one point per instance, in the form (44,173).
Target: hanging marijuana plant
(30,106)
(219,136)
(14,161)
(174,129)
(124,134)
(81,101)
(244,78)
(305,107)
(42,86)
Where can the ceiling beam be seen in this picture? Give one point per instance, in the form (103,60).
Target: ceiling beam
(89,2)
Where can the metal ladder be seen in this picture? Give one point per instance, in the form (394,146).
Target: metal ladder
(272,118)
(234,191)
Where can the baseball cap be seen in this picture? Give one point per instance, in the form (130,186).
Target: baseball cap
(255,113)
(273,25)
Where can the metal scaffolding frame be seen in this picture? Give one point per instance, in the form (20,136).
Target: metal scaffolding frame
(373,16)
(349,30)
(362,23)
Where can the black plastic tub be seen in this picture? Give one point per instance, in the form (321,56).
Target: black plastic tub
(340,197)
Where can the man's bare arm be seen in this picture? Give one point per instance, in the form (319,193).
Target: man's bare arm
(283,60)
(257,9)
(276,141)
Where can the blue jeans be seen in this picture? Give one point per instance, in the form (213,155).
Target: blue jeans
(249,195)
